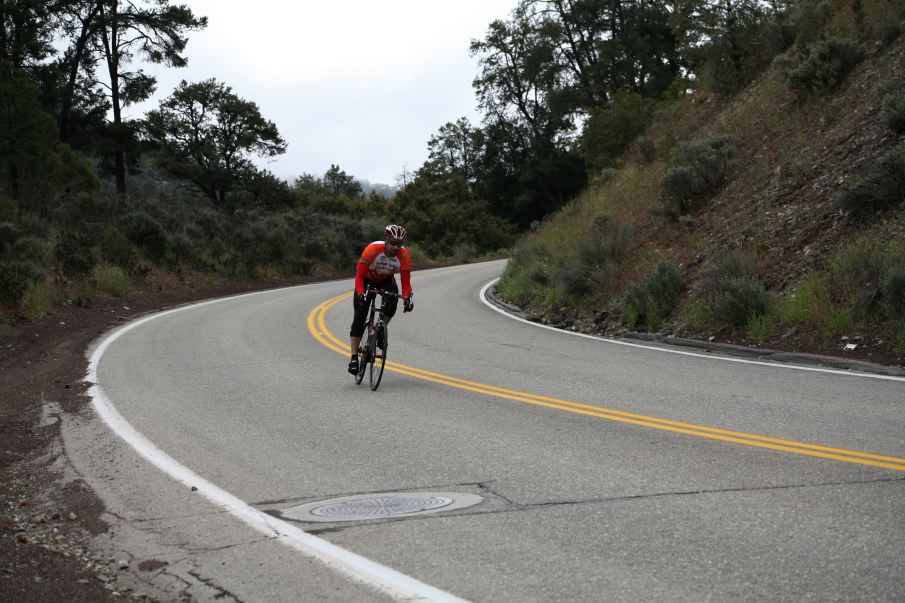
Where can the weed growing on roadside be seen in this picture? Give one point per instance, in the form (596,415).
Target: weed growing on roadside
(111,280)
(760,327)
(39,299)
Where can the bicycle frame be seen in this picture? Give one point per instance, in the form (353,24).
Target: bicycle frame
(372,351)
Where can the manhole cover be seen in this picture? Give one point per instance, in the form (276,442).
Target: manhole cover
(380,506)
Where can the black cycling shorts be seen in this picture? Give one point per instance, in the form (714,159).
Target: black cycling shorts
(361,310)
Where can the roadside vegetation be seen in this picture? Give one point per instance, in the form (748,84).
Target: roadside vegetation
(766,207)
(712,169)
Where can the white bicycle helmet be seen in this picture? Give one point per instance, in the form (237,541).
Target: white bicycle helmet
(394,231)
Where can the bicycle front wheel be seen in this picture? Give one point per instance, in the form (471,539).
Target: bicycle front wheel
(363,357)
(378,356)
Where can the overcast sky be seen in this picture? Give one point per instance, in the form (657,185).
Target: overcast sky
(362,84)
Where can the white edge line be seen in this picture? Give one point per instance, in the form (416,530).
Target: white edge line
(361,569)
(483,296)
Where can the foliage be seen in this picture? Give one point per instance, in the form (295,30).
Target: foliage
(595,263)
(893,290)
(700,171)
(34,164)
(206,134)
(443,215)
(73,254)
(146,233)
(823,69)
(610,129)
(39,299)
(855,272)
(880,188)
(111,280)
(653,299)
(15,277)
(737,300)
(737,38)
(760,327)
(894,112)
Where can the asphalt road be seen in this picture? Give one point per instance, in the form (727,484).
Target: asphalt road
(605,472)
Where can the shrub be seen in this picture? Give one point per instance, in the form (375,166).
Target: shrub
(855,271)
(15,277)
(808,303)
(8,235)
(701,171)
(39,299)
(881,188)
(653,299)
(610,129)
(739,299)
(760,327)
(595,262)
(146,233)
(73,254)
(515,285)
(893,291)
(894,112)
(824,68)
(112,280)
(116,248)
(647,149)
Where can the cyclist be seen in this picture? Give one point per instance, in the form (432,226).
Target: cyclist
(376,267)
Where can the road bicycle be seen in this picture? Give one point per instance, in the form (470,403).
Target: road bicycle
(372,351)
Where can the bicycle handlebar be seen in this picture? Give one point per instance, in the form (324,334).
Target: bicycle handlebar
(369,290)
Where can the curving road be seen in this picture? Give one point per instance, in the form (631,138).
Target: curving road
(605,472)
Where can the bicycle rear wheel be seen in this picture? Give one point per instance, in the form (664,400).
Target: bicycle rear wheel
(378,359)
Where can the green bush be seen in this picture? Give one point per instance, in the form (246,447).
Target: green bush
(881,188)
(73,254)
(824,68)
(9,233)
(760,327)
(737,300)
(808,303)
(893,291)
(15,277)
(40,298)
(610,129)
(116,248)
(112,280)
(653,299)
(700,171)
(146,233)
(894,112)
(647,149)
(855,271)
(595,263)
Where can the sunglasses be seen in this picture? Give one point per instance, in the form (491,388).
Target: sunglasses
(396,242)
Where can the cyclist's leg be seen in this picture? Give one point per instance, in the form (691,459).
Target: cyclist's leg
(390,303)
(357,329)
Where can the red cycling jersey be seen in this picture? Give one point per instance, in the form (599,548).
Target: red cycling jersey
(375,265)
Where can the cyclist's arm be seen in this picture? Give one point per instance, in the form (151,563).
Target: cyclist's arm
(360,274)
(406,277)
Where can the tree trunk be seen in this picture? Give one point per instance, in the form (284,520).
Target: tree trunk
(111,49)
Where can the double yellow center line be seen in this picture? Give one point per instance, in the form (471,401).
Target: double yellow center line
(318,328)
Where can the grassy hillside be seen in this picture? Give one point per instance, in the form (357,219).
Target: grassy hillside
(782,225)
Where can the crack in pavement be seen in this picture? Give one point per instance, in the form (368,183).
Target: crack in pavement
(516,507)
(222,592)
